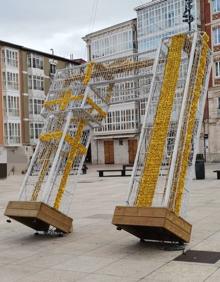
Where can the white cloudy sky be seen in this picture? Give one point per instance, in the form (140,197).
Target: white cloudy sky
(60,24)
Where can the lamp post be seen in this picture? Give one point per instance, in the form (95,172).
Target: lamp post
(187,16)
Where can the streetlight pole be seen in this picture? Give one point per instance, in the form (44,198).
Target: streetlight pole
(187,16)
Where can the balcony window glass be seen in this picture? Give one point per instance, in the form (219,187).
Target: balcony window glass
(36,82)
(12,133)
(35,130)
(35,61)
(10,57)
(216,6)
(216,32)
(109,44)
(35,106)
(10,80)
(217,69)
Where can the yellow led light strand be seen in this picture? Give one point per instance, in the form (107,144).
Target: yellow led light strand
(96,107)
(157,142)
(63,102)
(56,135)
(190,126)
(47,137)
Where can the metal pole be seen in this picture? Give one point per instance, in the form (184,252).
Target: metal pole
(33,159)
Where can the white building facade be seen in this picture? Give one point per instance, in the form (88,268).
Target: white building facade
(116,141)
(162,18)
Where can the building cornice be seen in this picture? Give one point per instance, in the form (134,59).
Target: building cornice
(48,55)
(148,4)
(109,29)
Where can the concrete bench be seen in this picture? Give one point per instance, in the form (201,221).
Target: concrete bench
(125,166)
(122,172)
(218,173)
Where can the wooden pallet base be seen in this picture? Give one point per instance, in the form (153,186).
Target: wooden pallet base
(39,216)
(158,224)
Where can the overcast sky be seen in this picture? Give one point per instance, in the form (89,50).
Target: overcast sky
(60,24)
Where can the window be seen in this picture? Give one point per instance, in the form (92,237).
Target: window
(110,44)
(124,91)
(10,57)
(170,19)
(52,68)
(35,61)
(217,69)
(13,106)
(35,130)
(35,106)
(36,82)
(216,35)
(4,80)
(120,120)
(216,5)
(160,20)
(10,80)
(143,105)
(12,133)
(171,140)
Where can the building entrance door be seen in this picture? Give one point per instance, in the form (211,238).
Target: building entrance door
(109,152)
(132,149)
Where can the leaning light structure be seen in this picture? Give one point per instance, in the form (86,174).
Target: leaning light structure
(165,158)
(78,102)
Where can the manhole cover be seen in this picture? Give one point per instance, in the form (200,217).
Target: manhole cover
(100,216)
(199,256)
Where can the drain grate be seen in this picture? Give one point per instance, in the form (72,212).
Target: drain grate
(199,256)
(100,216)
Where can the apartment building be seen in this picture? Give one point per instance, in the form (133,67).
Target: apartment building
(116,141)
(25,77)
(211,24)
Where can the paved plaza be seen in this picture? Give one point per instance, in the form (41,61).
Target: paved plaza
(96,251)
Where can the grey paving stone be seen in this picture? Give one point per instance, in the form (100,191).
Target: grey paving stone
(96,251)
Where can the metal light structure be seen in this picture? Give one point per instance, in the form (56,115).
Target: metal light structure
(77,102)
(168,143)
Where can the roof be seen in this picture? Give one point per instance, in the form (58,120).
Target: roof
(16,46)
(110,28)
